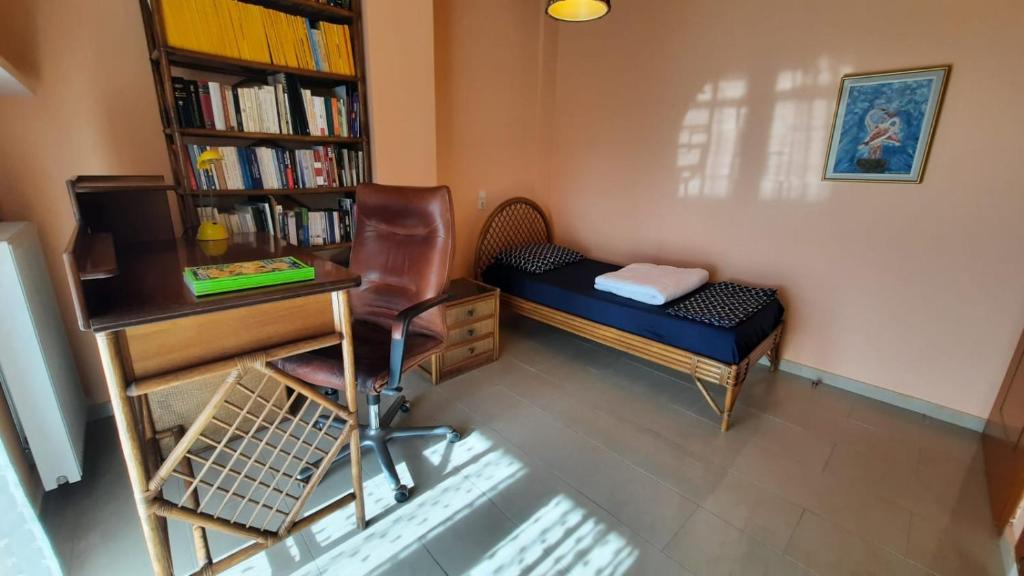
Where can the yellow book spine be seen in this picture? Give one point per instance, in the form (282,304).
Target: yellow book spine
(326,48)
(303,50)
(169,14)
(209,39)
(276,56)
(260,35)
(238,27)
(331,34)
(347,45)
(284,35)
(227,28)
(190,21)
(250,32)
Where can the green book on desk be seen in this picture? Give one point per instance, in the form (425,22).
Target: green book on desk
(216,278)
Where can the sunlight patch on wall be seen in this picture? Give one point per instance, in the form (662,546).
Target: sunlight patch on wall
(801,119)
(708,156)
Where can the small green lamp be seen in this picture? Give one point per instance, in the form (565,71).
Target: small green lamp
(209,230)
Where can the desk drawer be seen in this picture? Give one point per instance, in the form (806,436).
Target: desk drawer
(463,353)
(467,312)
(474,330)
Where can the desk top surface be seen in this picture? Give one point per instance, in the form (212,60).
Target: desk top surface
(149,286)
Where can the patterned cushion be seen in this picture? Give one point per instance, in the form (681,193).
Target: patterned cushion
(723,304)
(539,258)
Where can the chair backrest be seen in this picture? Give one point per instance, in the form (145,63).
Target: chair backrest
(403,249)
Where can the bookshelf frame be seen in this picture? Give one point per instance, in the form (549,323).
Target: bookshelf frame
(165,59)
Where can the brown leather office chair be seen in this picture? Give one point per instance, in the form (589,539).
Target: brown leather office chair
(403,248)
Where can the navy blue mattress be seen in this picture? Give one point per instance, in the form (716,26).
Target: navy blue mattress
(571,289)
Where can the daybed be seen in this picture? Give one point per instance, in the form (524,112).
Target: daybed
(566,298)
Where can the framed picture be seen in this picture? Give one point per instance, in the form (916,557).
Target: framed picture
(884,124)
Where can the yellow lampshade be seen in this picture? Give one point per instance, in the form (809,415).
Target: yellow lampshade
(208,159)
(578,10)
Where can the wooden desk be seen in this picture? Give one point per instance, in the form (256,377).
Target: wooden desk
(165,356)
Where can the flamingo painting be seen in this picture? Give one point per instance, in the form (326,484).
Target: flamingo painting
(884,124)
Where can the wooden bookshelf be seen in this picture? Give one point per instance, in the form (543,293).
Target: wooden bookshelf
(265,136)
(310,9)
(273,191)
(181,58)
(168,61)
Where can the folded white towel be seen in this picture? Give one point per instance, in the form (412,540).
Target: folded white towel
(652,283)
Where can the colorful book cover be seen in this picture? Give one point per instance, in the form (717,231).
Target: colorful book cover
(217,278)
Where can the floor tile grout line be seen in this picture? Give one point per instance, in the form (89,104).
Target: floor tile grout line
(701,421)
(615,454)
(432,557)
(730,469)
(578,491)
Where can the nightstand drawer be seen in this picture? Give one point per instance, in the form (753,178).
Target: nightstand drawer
(474,330)
(467,312)
(463,353)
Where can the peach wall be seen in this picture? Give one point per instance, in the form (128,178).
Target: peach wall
(94,111)
(400,64)
(693,133)
(489,61)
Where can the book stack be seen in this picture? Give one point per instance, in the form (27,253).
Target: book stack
(249,32)
(304,227)
(279,107)
(217,278)
(243,218)
(267,168)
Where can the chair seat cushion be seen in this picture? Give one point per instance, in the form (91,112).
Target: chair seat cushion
(372,348)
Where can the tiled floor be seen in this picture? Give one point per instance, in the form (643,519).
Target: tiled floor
(579,459)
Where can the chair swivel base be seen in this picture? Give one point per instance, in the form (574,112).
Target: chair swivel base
(377,437)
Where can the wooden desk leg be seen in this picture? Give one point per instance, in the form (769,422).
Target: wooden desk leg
(134,457)
(343,324)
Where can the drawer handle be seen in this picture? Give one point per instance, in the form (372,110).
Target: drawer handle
(470,332)
(471,350)
(471,312)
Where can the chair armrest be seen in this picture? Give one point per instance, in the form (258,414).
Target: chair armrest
(399,328)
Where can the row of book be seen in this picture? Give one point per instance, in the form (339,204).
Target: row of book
(249,32)
(243,218)
(304,227)
(298,226)
(264,167)
(279,107)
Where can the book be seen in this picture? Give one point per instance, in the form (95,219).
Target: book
(218,278)
(264,167)
(279,106)
(255,33)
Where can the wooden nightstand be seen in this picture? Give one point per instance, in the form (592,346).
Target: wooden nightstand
(472,319)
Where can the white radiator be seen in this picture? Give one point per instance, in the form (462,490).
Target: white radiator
(37,369)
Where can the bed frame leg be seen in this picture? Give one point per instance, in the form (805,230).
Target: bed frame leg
(731,392)
(773,353)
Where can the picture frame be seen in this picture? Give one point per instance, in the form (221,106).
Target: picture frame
(883,125)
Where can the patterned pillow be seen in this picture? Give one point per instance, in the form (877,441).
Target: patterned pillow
(538,258)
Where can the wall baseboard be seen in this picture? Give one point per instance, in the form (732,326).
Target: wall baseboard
(930,409)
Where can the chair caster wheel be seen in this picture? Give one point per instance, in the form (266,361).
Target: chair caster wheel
(454,436)
(404,407)
(401,493)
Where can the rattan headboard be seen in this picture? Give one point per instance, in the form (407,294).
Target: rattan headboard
(515,222)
